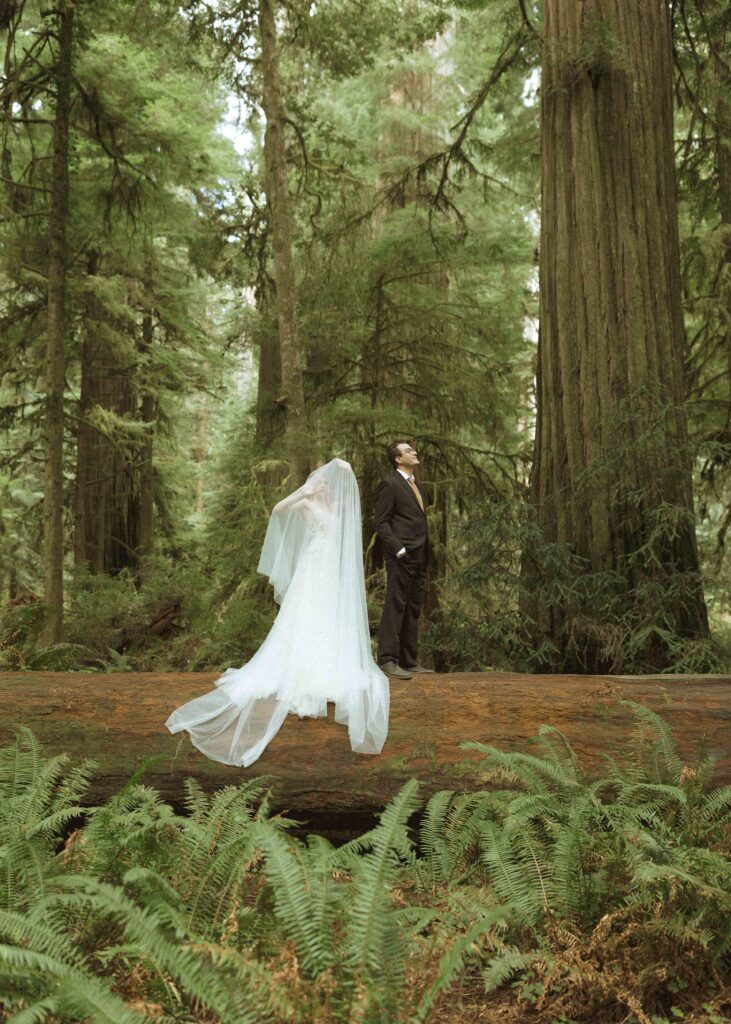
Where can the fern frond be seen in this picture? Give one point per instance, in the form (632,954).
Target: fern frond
(649,872)
(75,783)
(681,930)
(572,889)
(665,743)
(29,931)
(37,1013)
(715,804)
(452,962)
(73,989)
(318,859)
(159,897)
(512,856)
(509,963)
(290,887)
(560,751)
(242,993)
(372,943)
(537,775)
(434,819)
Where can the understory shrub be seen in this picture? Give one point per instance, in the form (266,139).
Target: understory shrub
(614,627)
(21,622)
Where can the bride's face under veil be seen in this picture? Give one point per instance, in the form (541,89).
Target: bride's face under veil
(333,489)
(332,485)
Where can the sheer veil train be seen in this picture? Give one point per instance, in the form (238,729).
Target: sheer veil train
(318,649)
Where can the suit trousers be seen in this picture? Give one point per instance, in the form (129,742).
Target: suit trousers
(398,635)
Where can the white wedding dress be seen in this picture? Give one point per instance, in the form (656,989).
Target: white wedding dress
(318,649)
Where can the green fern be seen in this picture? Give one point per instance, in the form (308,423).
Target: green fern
(211,911)
(662,755)
(243,992)
(449,837)
(480,936)
(73,991)
(299,877)
(373,946)
(38,799)
(506,964)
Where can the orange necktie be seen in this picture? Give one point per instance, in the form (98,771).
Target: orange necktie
(415,489)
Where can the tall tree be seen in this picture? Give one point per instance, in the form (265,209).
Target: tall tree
(277,189)
(611,480)
(146,505)
(53,502)
(702,42)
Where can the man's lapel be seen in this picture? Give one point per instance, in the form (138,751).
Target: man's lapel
(405,484)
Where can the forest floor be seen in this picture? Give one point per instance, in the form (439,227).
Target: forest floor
(467,1003)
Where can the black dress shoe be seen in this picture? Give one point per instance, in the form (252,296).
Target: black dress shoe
(392,669)
(419,670)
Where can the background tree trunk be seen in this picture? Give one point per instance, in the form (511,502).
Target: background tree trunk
(56,340)
(108,499)
(146,477)
(84,430)
(612,475)
(269,386)
(275,167)
(720,56)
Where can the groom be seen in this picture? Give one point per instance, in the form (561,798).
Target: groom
(400,522)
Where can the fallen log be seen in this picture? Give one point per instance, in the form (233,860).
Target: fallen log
(118,720)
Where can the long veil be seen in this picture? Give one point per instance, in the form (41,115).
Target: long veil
(318,648)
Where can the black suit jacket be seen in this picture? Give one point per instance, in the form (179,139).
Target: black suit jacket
(398,520)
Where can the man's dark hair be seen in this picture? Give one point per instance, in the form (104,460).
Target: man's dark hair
(393,452)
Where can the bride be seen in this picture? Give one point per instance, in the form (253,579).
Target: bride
(318,649)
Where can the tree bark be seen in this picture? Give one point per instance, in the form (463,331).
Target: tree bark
(53,500)
(720,56)
(719,38)
(118,720)
(611,479)
(277,190)
(269,387)
(107,502)
(84,430)
(146,477)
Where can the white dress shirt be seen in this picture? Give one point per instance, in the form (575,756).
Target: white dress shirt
(407,477)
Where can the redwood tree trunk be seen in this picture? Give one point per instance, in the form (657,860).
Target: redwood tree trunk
(107,513)
(146,479)
(268,412)
(84,430)
(275,168)
(720,55)
(56,339)
(107,507)
(611,479)
(720,44)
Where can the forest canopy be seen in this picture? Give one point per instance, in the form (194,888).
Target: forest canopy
(241,238)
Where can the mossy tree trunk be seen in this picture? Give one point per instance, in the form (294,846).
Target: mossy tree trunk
(55,371)
(107,502)
(275,174)
(611,481)
(269,386)
(720,56)
(148,414)
(84,430)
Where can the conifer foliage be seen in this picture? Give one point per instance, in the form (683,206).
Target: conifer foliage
(238,239)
